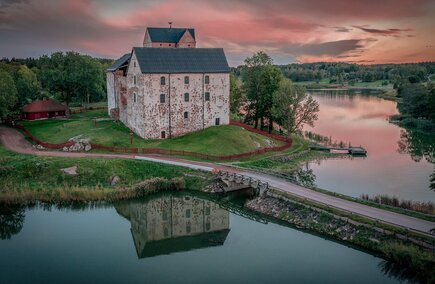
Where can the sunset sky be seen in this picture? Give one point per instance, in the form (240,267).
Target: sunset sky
(363,31)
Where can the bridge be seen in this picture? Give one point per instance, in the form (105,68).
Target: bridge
(235,181)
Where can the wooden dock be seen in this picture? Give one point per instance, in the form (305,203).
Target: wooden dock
(356,151)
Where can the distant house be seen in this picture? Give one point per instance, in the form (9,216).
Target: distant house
(168,87)
(44,108)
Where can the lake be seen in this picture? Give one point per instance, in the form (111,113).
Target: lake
(180,238)
(397,161)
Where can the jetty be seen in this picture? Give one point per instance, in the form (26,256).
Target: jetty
(356,151)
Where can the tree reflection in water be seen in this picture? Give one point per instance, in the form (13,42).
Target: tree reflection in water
(418,145)
(11,220)
(400,272)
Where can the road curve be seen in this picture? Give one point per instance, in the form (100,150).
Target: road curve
(14,141)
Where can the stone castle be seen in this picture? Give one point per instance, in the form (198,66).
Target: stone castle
(169,87)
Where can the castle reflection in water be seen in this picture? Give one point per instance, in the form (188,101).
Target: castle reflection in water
(169,224)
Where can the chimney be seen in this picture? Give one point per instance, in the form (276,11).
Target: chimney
(170,25)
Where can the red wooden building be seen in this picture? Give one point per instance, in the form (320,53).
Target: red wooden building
(44,108)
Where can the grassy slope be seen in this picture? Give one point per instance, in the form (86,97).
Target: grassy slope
(216,140)
(23,174)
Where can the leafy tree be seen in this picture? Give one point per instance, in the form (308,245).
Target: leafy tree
(270,77)
(71,75)
(260,79)
(237,97)
(292,107)
(417,100)
(8,94)
(28,86)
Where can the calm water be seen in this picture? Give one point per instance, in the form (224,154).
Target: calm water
(167,239)
(388,169)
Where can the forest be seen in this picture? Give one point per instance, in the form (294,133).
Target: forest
(70,77)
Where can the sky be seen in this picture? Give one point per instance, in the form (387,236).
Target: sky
(358,31)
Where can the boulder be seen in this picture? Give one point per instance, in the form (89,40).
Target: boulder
(114,180)
(88,148)
(70,171)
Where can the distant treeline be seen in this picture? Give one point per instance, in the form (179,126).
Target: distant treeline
(338,73)
(68,77)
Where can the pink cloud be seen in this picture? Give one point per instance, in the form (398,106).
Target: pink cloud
(304,30)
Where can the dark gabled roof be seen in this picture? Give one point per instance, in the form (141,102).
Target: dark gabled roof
(119,62)
(44,105)
(181,60)
(168,34)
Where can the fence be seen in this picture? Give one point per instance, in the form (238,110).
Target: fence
(157,151)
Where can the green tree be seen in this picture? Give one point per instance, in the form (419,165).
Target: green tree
(292,107)
(71,75)
(237,98)
(8,94)
(28,86)
(260,79)
(91,80)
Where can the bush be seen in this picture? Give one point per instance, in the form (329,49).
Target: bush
(158,184)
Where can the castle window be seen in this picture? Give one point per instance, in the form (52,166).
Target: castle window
(162,80)
(163,135)
(186,97)
(186,115)
(134,64)
(207,96)
(207,79)
(134,97)
(188,228)
(186,79)
(134,80)
(187,213)
(218,121)
(162,98)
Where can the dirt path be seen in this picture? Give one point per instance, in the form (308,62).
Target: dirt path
(14,141)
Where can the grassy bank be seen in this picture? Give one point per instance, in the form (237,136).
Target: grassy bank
(398,246)
(216,140)
(26,178)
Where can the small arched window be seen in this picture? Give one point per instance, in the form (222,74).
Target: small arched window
(134,64)
(134,79)
(163,134)
(134,97)
(207,79)
(207,96)
(162,80)
(162,98)
(186,97)
(186,115)
(186,79)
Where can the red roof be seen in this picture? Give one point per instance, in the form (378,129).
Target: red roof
(43,106)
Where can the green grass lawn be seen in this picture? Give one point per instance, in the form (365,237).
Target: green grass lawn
(26,178)
(216,140)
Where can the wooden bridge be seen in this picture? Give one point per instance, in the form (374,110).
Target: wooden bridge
(236,181)
(351,150)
